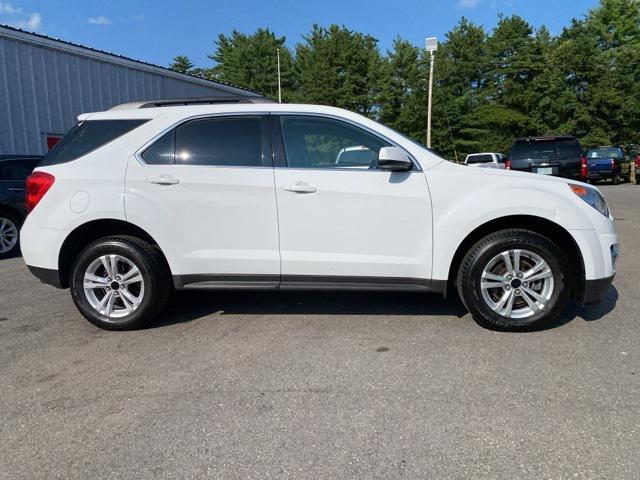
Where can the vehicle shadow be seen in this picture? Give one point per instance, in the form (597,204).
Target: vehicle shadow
(187,306)
(589,313)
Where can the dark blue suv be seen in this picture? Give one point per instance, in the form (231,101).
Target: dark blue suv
(14,169)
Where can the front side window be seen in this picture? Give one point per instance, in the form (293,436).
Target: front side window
(317,142)
(87,136)
(231,142)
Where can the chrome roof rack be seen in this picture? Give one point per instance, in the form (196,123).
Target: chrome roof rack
(176,102)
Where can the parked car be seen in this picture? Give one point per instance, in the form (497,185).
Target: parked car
(485,160)
(135,202)
(607,163)
(14,169)
(558,156)
(637,163)
(357,157)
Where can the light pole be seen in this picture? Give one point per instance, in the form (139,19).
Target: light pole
(279,87)
(431,45)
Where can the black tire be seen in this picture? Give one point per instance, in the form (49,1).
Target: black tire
(637,180)
(479,256)
(10,219)
(155,275)
(616,180)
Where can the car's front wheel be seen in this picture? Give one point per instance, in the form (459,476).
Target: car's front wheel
(514,280)
(119,283)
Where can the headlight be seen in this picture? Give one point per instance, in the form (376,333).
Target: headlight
(592,197)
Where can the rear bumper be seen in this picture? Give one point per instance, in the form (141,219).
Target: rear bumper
(601,175)
(46,275)
(595,290)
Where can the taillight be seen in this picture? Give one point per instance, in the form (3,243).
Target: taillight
(507,164)
(613,164)
(583,168)
(638,162)
(36,185)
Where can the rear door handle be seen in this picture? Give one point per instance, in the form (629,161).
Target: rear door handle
(300,188)
(163,179)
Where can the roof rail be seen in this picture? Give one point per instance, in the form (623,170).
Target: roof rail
(175,102)
(203,101)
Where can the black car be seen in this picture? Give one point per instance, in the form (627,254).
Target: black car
(14,169)
(553,155)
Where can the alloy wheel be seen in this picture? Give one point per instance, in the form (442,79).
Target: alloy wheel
(517,283)
(8,235)
(114,286)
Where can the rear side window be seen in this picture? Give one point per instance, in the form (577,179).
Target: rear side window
(480,159)
(88,136)
(231,142)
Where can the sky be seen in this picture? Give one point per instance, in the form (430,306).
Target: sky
(156,31)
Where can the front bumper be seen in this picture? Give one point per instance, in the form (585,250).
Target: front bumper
(595,290)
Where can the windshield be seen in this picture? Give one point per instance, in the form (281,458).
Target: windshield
(605,152)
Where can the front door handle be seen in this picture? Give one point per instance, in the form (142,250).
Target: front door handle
(300,188)
(163,179)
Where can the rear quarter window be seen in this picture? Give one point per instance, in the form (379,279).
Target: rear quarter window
(86,137)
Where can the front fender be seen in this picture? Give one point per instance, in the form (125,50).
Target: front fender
(459,208)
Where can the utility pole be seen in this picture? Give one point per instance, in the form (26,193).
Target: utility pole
(431,45)
(279,86)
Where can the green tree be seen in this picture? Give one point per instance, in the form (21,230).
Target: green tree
(250,61)
(182,64)
(336,66)
(401,100)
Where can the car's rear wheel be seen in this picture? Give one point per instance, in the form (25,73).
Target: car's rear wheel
(120,283)
(514,280)
(616,180)
(9,234)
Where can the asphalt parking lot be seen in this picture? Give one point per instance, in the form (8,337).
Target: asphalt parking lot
(291,385)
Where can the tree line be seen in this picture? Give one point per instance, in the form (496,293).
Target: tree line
(489,86)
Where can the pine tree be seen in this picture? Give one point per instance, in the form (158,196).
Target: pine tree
(182,64)
(336,66)
(250,61)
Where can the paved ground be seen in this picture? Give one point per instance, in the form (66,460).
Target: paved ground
(321,386)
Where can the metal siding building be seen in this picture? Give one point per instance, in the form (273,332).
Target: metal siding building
(46,83)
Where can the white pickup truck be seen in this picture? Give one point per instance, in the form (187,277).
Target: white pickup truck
(485,160)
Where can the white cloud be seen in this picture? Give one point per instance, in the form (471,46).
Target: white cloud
(468,4)
(14,17)
(33,22)
(9,9)
(99,20)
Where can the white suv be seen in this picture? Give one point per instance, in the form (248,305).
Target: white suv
(145,198)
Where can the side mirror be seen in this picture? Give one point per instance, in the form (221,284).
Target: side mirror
(394,159)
